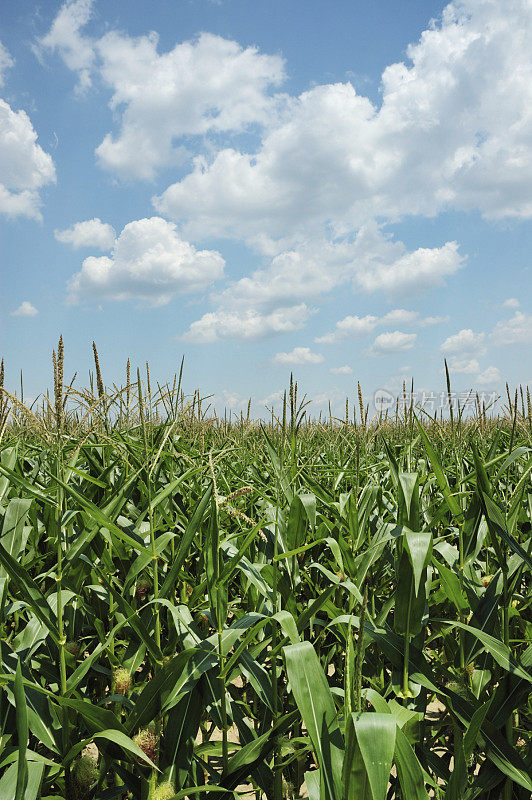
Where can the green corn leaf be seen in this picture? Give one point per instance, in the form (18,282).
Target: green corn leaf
(441,477)
(497,525)
(29,591)
(375,737)
(314,700)
(409,770)
(168,587)
(419,549)
(451,586)
(22,734)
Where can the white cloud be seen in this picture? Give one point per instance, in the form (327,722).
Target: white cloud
(248,325)
(6,61)
(515,330)
(315,267)
(343,370)
(24,166)
(350,327)
(64,37)
(418,271)
(400,316)
(89,233)
(428,321)
(355,327)
(206,85)
(299,355)
(150,262)
(467,366)
(25,309)
(209,85)
(333,398)
(511,302)
(489,377)
(233,401)
(453,130)
(465,341)
(273,400)
(393,342)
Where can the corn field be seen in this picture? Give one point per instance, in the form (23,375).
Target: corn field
(336,609)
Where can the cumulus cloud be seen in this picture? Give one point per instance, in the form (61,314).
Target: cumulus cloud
(209,85)
(465,341)
(206,85)
(401,316)
(393,342)
(299,355)
(511,302)
(350,327)
(345,369)
(25,309)
(89,233)
(437,320)
(417,271)
(65,38)
(513,331)
(247,325)
(150,262)
(489,377)
(24,166)
(467,366)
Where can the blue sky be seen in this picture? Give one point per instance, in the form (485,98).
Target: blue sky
(339,189)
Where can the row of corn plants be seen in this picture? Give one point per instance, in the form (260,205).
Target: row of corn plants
(193,606)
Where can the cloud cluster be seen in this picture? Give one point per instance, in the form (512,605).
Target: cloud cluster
(315,268)
(24,166)
(453,131)
(313,186)
(371,261)
(355,327)
(491,376)
(150,262)
(209,85)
